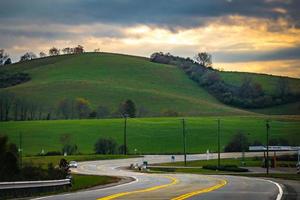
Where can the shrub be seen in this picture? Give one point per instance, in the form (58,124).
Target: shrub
(105,146)
(229,168)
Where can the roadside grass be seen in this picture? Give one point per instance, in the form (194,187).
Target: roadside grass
(165,133)
(248,162)
(87,181)
(286,176)
(43,161)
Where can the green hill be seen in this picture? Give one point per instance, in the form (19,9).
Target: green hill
(109,79)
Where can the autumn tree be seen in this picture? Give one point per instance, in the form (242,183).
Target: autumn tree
(82,106)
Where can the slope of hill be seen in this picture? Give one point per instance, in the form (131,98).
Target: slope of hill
(108,79)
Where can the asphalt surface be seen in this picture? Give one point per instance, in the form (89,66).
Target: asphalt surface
(170,186)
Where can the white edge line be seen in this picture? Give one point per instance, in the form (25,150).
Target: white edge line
(280,193)
(279,196)
(124,184)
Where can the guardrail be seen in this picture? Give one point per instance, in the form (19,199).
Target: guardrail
(29,188)
(33,184)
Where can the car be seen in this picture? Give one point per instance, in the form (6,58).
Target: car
(73,164)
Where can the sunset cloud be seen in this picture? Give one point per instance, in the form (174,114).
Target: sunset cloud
(258,36)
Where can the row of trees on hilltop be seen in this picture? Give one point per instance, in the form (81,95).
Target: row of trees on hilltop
(249,94)
(54,51)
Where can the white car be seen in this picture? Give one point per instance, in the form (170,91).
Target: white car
(73,164)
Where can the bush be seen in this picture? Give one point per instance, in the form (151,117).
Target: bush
(105,146)
(239,142)
(229,168)
(53,153)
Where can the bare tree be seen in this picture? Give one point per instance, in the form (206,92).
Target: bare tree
(42,54)
(54,51)
(204,58)
(28,56)
(79,49)
(67,50)
(3,57)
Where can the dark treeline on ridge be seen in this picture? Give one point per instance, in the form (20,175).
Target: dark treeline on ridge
(248,95)
(22,109)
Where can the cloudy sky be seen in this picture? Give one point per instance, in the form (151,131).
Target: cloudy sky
(242,35)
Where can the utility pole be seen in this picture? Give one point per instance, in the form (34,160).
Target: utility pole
(20,149)
(268,127)
(184,140)
(219,161)
(125,134)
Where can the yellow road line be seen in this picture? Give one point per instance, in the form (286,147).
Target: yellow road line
(174,181)
(204,190)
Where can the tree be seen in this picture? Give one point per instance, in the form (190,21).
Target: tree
(54,51)
(283,87)
(3,57)
(42,54)
(79,49)
(9,159)
(67,146)
(102,112)
(65,107)
(105,146)
(82,106)
(239,142)
(204,59)
(6,102)
(128,108)
(28,56)
(8,61)
(67,50)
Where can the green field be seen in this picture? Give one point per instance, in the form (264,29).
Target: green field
(148,135)
(108,79)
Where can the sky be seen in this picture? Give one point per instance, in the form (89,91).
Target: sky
(260,36)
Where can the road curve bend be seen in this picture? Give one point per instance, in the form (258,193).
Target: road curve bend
(169,186)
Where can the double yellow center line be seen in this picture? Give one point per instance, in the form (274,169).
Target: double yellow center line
(174,181)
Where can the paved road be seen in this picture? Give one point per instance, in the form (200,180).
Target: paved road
(170,186)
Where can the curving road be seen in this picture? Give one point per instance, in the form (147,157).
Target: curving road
(171,186)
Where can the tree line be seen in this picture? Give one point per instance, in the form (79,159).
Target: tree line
(21,109)
(249,94)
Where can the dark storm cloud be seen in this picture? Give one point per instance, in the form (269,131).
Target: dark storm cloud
(167,13)
(247,56)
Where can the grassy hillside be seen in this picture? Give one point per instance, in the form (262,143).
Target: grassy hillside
(108,79)
(148,135)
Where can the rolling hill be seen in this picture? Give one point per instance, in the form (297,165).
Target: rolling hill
(108,79)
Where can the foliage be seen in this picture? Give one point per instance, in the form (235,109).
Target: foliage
(228,168)
(204,59)
(127,108)
(248,95)
(4,58)
(8,159)
(8,79)
(239,142)
(28,56)
(105,146)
